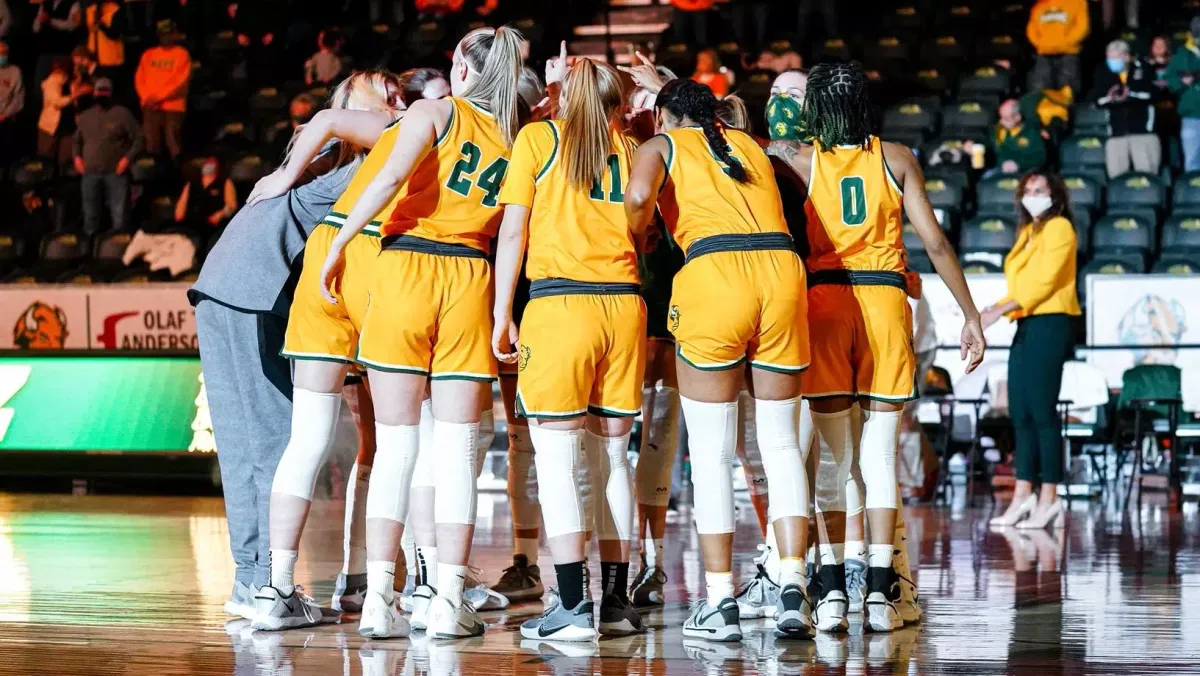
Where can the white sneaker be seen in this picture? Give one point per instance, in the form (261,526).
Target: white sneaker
(241,601)
(420,599)
(909,605)
(450,622)
(273,611)
(479,595)
(381,619)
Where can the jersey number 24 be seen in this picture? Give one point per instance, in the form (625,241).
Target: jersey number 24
(489,180)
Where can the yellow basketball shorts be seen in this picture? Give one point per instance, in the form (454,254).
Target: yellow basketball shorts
(861,343)
(318,329)
(733,306)
(429,314)
(582,353)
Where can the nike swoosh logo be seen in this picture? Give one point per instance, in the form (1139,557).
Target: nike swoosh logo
(471,629)
(289,606)
(705,618)
(543,633)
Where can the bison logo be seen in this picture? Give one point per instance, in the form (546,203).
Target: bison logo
(673,318)
(40,327)
(523,354)
(1153,320)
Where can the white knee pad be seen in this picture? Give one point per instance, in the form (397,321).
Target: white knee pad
(778,431)
(314,423)
(559,456)
(615,511)
(391,476)
(660,436)
(877,458)
(454,501)
(837,456)
(487,434)
(522,480)
(424,475)
(854,490)
(712,431)
(748,446)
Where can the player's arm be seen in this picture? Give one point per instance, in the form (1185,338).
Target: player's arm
(646,180)
(359,127)
(416,137)
(510,252)
(920,213)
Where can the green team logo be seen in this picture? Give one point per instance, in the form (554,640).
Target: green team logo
(673,318)
(523,354)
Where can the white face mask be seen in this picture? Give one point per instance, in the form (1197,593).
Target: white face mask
(1036,205)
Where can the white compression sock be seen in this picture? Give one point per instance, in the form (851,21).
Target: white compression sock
(719,586)
(559,456)
(660,443)
(408,543)
(616,519)
(427,566)
(777,424)
(381,578)
(452,578)
(879,556)
(877,458)
(835,430)
(772,563)
(314,423)
(354,528)
(791,571)
(856,549)
(653,549)
(522,481)
(454,501)
(712,431)
(832,555)
(283,567)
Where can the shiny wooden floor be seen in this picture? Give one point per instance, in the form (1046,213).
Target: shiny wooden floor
(116,585)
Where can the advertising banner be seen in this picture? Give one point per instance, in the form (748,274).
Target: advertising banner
(99,317)
(1154,314)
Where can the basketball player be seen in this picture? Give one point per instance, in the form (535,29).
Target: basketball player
(720,202)
(860,318)
(427,319)
(580,387)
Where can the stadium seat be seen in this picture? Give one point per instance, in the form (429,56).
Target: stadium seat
(1082,220)
(162,212)
(1181,232)
(58,253)
(1002,46)
(133,275)
(148,169)
(1091,121)
(833,49)
(907,17)
(913,140)
(1185,193)
(1081,152)
(246,171)
(987,83)
(912,241)
(887,51)
(944,194)
(425,39)
(225,41)
(1177,264)
(12,248)
(755,86)
(268,100)
(997,195)
(1083,191)
(730,55)
(532,28)
(910,116)
(211,101)
(934,81)
(944,52)
(919,262)
(967,116)
(677,56)
(1147,214)
(1113,264)
(1123,234)
(1134,190)
(235,137)
(82,275)
(31,173)
(984,242)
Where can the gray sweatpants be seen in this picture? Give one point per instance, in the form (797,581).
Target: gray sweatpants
(249,390)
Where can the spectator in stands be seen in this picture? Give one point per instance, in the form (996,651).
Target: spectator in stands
(327,65)
(12,101)
(162,85)
(6,19)
(106,143)
(105,25)
(1181,79)
(207,200)
(1057,29)
(1041,298)
(56,123)
(57,29)
(302,108)
(1124,87)
(780,57)
(1158,59)
(709,72)
(1016,146)
(689,21)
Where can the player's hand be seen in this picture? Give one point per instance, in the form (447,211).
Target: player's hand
(973,344)
(643,73)
(504,340)
(556,66)
(273,184)
(331,272)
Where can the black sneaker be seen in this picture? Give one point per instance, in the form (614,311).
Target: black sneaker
(882,594)
(829,589)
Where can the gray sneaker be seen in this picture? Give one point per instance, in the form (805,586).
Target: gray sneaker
(520,581)
(349,592)
(273,611)
(561,624)
(793,619)
(759,598)
(714,624)
(856,581)
(619,618)
(241,601)
(479,595)
(647,588)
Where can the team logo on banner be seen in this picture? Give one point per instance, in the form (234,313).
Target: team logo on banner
(1153,320)
(40,327)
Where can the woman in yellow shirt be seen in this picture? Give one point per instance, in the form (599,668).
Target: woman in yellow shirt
(1040,272)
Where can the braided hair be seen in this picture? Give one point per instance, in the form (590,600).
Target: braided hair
(837,111)
(685,98)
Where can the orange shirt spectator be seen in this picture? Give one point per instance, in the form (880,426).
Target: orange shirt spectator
(708,72)
(163,76)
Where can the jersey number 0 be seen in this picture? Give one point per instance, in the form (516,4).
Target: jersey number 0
(854,200)
(489,179)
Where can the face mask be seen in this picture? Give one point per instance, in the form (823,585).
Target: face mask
(783,118)
(1115,65)
(1036,205)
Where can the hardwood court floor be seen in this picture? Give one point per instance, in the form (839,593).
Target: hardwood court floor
(134,586)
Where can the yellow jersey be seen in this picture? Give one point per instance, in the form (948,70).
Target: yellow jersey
(854,211)
(574,233)
(699,200)
(452,195)
(363,176)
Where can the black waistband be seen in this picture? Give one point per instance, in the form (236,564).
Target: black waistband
(428,246)
(540,288)
(759,241)
(858,278)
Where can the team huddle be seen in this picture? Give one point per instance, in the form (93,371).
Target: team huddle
(528,232)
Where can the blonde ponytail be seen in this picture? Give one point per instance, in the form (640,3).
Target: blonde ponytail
(495,56)
(732,112)
(593,96)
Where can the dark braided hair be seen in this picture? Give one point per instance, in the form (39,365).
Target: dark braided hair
(837,111)
(685,98)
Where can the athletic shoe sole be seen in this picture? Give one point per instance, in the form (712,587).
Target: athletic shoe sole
(877,619)
(569,632)
(622,628)
(281,623)
(722,635)
(794,628)
(378,632)
(241,610)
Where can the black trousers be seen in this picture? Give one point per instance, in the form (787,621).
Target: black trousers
(1042,344)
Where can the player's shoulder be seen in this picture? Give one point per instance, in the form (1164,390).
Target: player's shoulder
(542,130)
